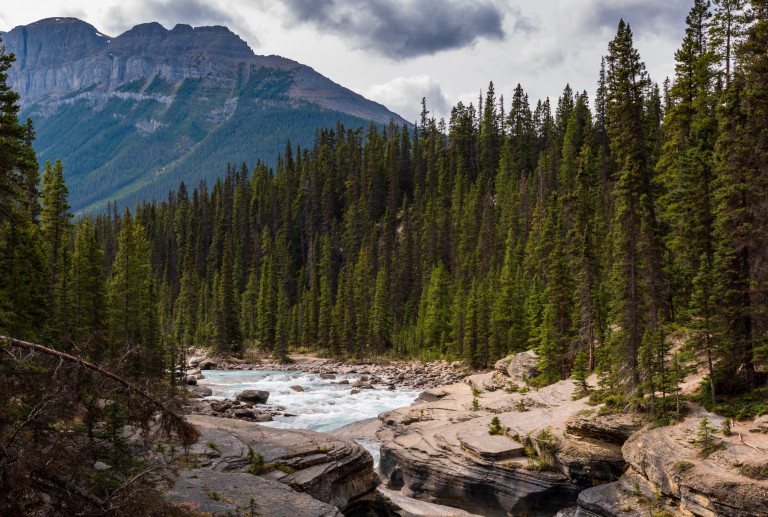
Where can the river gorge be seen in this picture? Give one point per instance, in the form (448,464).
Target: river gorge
(414,439)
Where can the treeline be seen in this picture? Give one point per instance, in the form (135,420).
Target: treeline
(590,231)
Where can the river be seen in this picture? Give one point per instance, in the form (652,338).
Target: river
(322,406)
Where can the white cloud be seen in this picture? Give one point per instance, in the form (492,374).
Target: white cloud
(403,96)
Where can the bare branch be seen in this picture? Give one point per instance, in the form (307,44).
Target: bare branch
(185,430)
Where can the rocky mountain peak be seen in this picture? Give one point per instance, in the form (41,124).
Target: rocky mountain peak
(53,41)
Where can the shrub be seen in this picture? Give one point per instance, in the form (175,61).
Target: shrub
(682,466)
(256,459)
(706,439)
(495,427)
(758,472)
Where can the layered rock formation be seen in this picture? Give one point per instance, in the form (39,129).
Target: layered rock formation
(667,473)
(440,450)
(303,473)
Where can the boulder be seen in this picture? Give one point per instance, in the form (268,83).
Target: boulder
(242,413)
(201,391)
(207,364)
(264,417)
(254,396)
(612,428)
(191,380)
(519,367)
(221,407)
(760,425)
(431,395)
(297,388)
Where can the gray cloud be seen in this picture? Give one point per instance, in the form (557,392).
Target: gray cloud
(403,96)
(406,28)
(170,12)
(662,17)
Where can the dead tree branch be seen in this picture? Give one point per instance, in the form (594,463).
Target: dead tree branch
(185,430)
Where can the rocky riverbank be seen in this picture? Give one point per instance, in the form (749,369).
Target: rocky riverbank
(396,373)
(486,445)
(549,453)
(235,466)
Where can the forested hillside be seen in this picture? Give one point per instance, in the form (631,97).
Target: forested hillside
(132,116)
(598,232)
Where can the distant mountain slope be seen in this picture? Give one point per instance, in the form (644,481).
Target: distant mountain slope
(132,116)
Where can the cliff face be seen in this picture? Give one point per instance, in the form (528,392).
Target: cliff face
(56,57)
(134,115)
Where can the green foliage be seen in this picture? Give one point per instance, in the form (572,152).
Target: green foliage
(495,426)
(212,494)
(682,466)
(252,508)
(257,465)
(475,405)
(579,373)
(706,440)
(752,471)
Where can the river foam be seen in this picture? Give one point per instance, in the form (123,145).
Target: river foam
(322,406)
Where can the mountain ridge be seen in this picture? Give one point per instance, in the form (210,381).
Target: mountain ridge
(133,115)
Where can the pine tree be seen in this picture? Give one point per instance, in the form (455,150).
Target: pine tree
(88,293)
(686,164)
(580,372)
(131,302)
(380,323)
(637,277)
(228,335)
(266,304)
(56,230)
(742,190)
(12,149)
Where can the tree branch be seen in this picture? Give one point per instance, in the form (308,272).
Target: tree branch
(185,430)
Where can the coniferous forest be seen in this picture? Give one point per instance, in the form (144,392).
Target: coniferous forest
(625,234)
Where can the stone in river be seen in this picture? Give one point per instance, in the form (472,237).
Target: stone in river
(254,396)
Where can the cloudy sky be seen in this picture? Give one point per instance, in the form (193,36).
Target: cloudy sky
(398,51)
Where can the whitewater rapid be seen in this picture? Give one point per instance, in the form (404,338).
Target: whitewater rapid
(322,406)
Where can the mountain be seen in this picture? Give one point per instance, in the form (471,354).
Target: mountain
(132,116)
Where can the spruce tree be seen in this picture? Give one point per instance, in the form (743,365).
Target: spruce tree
(742,190)
(56,230)
(88,293)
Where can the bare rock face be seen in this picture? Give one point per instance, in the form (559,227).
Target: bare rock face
(238,492)
(441,451)
(668,459)
(760,425)
(58,56)
(519,367)
(314,468)
(612,428)
(668,473)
